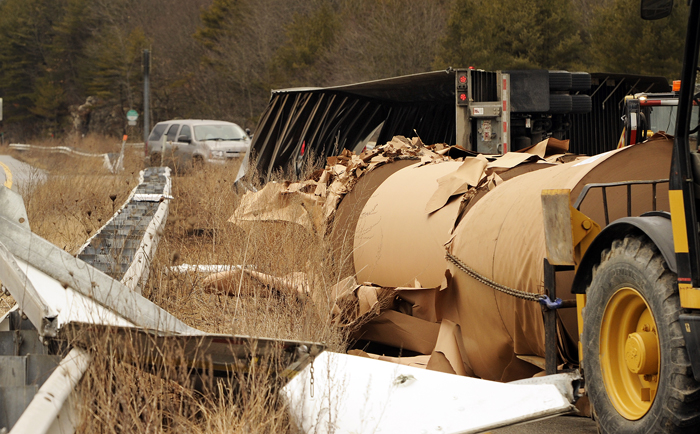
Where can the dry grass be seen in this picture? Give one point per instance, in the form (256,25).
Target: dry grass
(126,397)
(146,397)
(69,197)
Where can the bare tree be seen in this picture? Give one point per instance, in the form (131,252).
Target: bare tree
(389,38)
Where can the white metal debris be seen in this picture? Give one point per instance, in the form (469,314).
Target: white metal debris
(355,395)
(47,412)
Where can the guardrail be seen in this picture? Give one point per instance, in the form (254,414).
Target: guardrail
(113,161)
(8,175)
(56,291)
(124,247)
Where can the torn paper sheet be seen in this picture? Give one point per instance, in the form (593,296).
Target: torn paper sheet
(229,282)
(449,355)
(281,202)
(457,182)
(415,361)
(312,203)
(358,304)
(548,147)
(510,160)
(400,331)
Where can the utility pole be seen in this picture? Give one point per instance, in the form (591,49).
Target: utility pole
(146,95)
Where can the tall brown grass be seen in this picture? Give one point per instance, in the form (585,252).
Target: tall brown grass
(121,396)
(69,197)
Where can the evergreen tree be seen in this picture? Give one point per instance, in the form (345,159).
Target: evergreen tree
(72,32)
(508,34)
(622,42)
(219,21)
(115,66)
(303,58)
(27,71)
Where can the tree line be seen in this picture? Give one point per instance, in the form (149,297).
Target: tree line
(71,67)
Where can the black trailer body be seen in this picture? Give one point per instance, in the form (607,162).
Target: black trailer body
(462,107)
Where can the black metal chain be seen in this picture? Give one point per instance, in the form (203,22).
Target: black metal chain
(312,381)
(490,283)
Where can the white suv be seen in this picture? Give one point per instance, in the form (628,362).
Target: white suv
(188,141)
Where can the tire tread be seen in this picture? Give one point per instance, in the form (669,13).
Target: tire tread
(680,412)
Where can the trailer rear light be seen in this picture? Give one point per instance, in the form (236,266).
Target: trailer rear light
(676,85)
(462,80)
(462,98)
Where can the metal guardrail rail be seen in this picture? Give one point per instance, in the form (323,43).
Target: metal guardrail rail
(124,246)
(61,297)
(34,384)
(114,161)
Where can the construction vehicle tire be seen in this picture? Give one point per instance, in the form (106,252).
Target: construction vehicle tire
(559,80)
(636,368)
(559,104)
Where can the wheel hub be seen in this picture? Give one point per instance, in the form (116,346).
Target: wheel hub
(641,353)
(629,353)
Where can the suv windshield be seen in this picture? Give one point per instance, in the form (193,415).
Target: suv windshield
(158,131)
(219,132)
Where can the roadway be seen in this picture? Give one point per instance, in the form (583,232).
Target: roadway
(19,174)
(556,425)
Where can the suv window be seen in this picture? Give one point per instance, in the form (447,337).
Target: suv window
(172,132)
(219,132)
(157,132)
(186,132)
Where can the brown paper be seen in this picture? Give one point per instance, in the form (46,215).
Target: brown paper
(394,240)
(449,354)
(415,361)
(548,147)
(227,282)
(511,159)
(457,182)
(275,202)
(502,238)
(423,301)
(400,331)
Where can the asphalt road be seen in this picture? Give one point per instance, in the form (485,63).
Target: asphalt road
(556,425)
(21,174)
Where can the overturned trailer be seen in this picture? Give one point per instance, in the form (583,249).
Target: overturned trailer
(463,107)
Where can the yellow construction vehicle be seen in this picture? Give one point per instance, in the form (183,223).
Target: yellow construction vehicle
(638,285)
